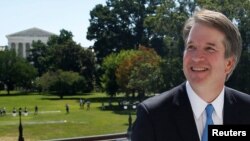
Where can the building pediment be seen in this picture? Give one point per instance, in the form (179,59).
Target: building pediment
(31,32)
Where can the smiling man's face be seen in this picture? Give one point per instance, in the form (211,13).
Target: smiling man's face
(204,61)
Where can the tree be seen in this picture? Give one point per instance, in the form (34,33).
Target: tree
(109,66)
(38,56)
(241,74)
(118,26)
(25,74)
(124,25)
(165,26)
(7,60)
(61,82)
(108,79)
(172,75)
(15,70)
(61,52)
(136,73)
(88,68)
(65,54)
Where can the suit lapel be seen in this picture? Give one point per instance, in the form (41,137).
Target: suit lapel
(184,116)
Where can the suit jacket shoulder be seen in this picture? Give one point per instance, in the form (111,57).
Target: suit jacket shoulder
(236,107)
(166,99)
(236,96)
(167,116)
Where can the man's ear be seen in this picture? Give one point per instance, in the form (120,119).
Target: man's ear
(230,63)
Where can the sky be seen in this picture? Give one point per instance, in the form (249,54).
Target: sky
(49,15)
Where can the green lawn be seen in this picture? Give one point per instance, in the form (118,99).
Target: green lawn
(52,121)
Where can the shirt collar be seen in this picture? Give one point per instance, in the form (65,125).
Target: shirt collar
(198,105)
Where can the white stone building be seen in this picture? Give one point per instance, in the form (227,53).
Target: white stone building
(21,41)
(2,48)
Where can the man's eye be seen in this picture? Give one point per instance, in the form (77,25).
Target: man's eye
(210,49)
(189,48)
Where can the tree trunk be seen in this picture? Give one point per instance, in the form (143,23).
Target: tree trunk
(141,95)
(8,89)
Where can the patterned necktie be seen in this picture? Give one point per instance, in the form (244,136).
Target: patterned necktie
(209,121)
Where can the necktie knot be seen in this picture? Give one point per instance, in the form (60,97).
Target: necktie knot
(209,111)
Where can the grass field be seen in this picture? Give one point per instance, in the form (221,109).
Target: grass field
(52,121)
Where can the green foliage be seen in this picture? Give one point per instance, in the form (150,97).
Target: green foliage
(144,78)
(108,79)
(241,75)
(165,27)
(15,71)
(65,54)
(172,74)
(109,66)
(61,52)
(136,73)
(87,68)
(117,25)
(62,82)
(25,75)
(43,83)
(38,56)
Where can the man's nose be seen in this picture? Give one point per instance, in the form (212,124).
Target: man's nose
(198,55)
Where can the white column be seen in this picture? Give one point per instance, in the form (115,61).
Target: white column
(9,45)
(24,50)
(16,47)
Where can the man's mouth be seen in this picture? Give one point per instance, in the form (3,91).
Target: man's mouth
(199,69)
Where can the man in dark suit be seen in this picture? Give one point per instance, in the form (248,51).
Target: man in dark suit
(212,50)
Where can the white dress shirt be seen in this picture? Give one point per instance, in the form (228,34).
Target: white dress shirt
(198,106)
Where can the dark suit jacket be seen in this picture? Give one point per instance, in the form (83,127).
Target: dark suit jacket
(169,116)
